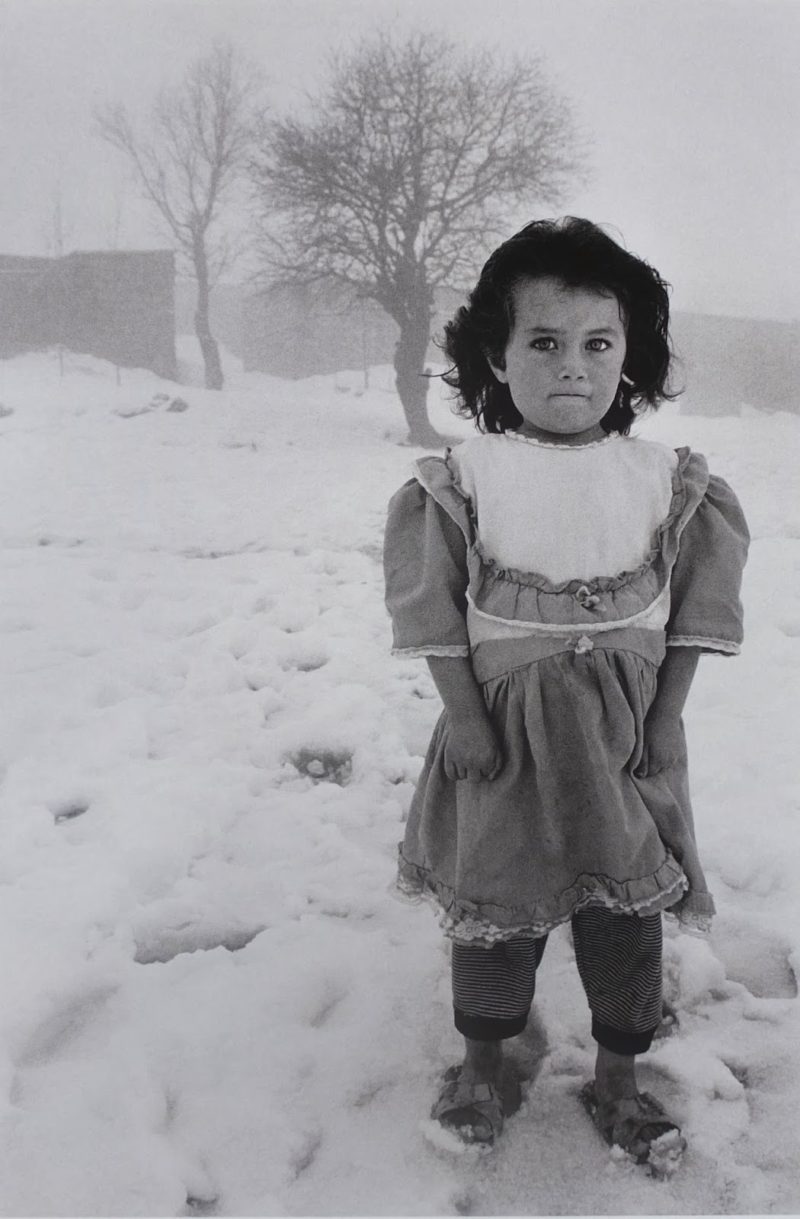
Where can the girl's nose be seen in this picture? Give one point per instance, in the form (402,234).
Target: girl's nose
(572,368)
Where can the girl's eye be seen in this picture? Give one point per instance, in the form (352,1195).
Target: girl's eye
(546,343)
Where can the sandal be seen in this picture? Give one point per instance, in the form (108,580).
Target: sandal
(640,1126)
(473,1111)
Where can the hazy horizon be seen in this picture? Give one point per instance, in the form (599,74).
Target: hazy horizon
(691,106)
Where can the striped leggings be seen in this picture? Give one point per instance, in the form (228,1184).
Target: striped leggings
(619,961)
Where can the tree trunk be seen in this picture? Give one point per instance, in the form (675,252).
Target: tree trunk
(410,379)
(202,328)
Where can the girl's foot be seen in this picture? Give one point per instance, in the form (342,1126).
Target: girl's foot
(476,1109)
(639,1125)
(472,1109)
(630,1119)
(479,1094)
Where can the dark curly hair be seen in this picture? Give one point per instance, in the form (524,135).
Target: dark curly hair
(581,255)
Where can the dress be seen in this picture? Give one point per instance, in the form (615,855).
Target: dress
(567,658)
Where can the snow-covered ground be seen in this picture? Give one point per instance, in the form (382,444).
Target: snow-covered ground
(211,1001)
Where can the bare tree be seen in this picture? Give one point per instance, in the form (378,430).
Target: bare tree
(188,165)
(413,159)
(57,231)
(114,221)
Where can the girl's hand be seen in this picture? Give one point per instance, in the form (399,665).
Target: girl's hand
(664,744)
(471,750)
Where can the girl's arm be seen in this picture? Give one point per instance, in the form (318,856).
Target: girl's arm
(471,748)
(663,734)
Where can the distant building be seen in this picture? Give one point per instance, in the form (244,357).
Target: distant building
(118,305)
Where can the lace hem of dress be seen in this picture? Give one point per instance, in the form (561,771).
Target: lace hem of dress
(433,649)
(470,926)
(707,643)
(691,922)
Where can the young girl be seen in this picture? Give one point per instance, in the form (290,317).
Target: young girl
(561,578)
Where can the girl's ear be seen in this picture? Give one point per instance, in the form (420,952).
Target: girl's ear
(498,369)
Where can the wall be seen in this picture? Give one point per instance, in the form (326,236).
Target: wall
(117,305)
(730,361)
(26,315)
(302,330)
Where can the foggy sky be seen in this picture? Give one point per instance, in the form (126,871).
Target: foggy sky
(692,106)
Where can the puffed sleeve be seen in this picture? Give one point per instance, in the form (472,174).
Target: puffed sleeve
(425,568)
(706,607)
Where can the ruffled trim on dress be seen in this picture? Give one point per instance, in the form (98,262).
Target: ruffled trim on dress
(487,923)
(511,595)
(596,629)
(677,506)
(678,503)
(435,476)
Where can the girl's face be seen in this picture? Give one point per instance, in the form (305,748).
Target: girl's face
(563,360)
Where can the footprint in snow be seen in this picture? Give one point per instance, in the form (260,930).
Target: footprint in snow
(326,1009)
(306,1155)
(373,551)
(68,809)
(369,1094)
(306,664)
(58,1032)
(200,1206)
(739,1071)
(324,765)
(159,945)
